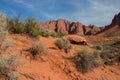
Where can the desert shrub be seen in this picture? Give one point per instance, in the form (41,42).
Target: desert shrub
(86,60)
(6,45)
(3,31)
(53,34)
(37,49)
(97,61)
(44,32)
(109,57)
(8,67)
(15,25)
(63,43)
(3,35)
(99,47)
(60,34)
(116,46)
(3,22)
(31,27)
(111,53)
(47,33)
(34,33)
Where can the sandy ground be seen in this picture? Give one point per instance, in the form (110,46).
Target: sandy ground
(57,65)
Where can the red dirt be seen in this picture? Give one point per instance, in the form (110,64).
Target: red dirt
(57,65)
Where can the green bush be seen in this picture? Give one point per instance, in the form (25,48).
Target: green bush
(86,60)
(31,27)
(8,67)
(63,43)
(15,25)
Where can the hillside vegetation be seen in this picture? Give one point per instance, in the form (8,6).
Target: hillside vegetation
(30,52)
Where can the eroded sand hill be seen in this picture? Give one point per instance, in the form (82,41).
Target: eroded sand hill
(55,64)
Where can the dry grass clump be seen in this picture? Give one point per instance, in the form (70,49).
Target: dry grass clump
(37,49)
(8,67)
(47,33)
(63,43)
(86,60)
(109,57)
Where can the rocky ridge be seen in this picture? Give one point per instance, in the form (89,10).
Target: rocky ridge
(69,27)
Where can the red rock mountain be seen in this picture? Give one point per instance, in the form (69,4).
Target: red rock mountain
(112,29)
(69,27)
(116,20)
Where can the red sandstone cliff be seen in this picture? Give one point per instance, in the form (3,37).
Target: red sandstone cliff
(68,27)
(112,29)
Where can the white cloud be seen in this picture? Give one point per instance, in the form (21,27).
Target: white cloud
(24,3)
(95,12)
(99,12)
(102,12)
(102,7)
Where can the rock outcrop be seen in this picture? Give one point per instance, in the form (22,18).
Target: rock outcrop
(112,29)
(92,29)
(75,39)
(116,20)
(68,27)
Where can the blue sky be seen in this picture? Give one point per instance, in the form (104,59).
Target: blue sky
(98,12)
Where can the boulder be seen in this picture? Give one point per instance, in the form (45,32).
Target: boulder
(75,39)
